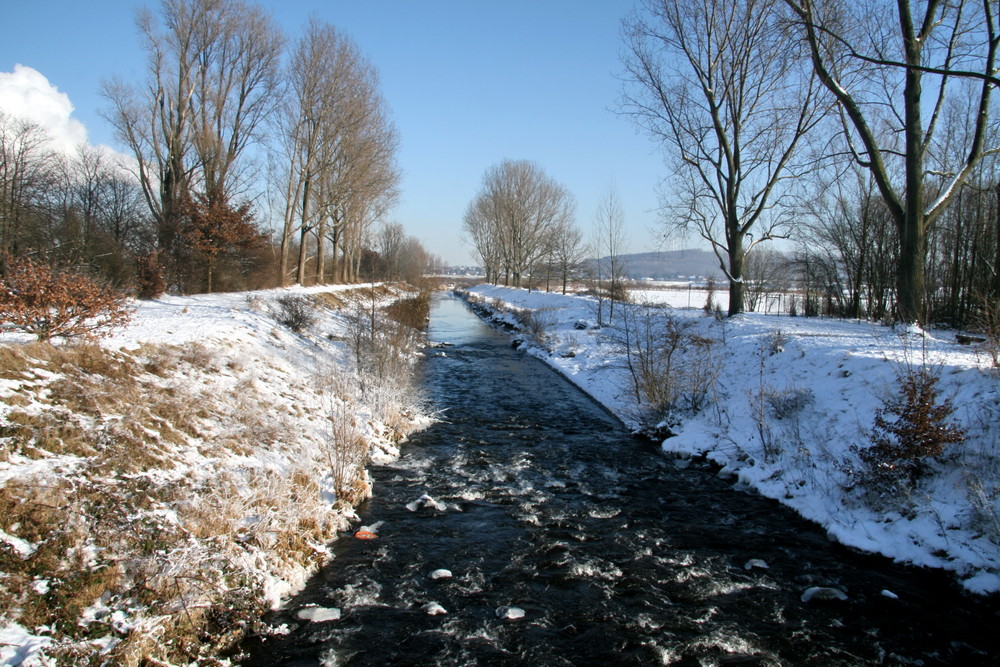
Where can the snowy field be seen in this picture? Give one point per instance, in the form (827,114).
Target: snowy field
(692,295)
(190,473)
(785,404)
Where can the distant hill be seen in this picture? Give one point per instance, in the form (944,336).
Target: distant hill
(671,264)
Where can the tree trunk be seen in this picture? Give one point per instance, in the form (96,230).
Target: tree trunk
(736,259)
(283,260)
(910,275)
(303,234)
(303,256)
(321,252)
(996,258)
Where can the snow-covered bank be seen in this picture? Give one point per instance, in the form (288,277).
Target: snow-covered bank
(784,405)
(159,491)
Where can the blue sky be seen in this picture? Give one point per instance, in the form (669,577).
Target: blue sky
(469,83)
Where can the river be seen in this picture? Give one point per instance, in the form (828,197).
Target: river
(569,542)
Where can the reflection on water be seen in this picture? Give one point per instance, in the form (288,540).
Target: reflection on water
(569,543)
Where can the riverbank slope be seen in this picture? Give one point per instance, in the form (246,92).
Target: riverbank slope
(160,490)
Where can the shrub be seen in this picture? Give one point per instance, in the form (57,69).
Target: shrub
(536,323)
(790,402)
(413,312)
(149,276)
(295,312)
(673,371)
(776,342)
(39,300)
(910,429)
(711,305)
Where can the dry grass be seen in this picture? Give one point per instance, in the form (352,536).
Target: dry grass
(103,531)
(160,506)
(331,300)
(413,312)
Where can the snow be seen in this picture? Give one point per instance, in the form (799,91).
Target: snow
(21,548)
(426,501)
(318,614)
(250,380)
(510,613)
(789,403)
(20,647)
(434,609)
(823,593)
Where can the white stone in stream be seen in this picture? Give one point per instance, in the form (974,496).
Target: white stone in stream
(889,594)
(823,593)
(426,501)
(318,614)
(440,574)
(511,613)
(756,562)
(433,609)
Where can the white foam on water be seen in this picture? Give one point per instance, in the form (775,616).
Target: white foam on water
(729,643)
(595,570)
(471,582)
(647,622)
(365,594)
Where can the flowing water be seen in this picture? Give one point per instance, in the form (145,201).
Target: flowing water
(541,504)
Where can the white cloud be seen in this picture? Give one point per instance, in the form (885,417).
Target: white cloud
(26,93)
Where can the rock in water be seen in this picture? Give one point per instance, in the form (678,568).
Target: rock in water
(756,562)
(511,613)
(823,593)
(440,574)
(426,501)
(434,609)
(318,614)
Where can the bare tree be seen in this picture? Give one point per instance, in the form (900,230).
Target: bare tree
(568,251)
(104,222)
(364,185)
(717,82)
(211,76)
(877,60)
(414,261)
(482,232)
(513,215)
(389,243)
(341,146)
(27,169)
(766,272)
(608,243)
(846,228)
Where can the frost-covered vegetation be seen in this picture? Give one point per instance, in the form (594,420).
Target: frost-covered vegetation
(160,490)
(887,437)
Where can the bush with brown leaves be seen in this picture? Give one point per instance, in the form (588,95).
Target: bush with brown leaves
(37,299)
(910,429)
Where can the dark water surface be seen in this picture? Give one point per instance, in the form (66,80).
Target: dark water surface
(541,502)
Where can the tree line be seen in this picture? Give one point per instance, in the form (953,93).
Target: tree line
(884,109)
(233,130)
(864,132)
